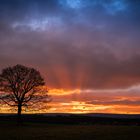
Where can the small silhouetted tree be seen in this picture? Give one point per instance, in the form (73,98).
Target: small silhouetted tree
(19,85)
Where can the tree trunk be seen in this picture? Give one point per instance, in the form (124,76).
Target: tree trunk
(19,113)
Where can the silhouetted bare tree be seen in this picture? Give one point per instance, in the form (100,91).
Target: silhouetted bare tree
(19,85)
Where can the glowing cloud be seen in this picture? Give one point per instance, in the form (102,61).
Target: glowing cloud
(38,24)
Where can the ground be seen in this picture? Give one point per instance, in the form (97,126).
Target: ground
(45,131)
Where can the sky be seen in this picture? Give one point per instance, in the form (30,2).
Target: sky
(87,51)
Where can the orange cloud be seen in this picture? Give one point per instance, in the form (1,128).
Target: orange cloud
(87,101)
(59,92)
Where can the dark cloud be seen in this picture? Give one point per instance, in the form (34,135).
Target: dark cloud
(74,47)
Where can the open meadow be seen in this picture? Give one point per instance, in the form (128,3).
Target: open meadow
(44,131)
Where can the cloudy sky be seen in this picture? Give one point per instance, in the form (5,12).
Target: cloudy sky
(87,50)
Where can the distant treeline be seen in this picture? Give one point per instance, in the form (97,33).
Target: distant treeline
(72,119)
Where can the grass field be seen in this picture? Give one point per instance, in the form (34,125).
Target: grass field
(44,131)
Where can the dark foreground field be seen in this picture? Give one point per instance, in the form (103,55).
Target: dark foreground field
(36,131)
(36,127)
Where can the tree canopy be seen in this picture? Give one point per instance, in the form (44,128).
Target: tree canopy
(19,85)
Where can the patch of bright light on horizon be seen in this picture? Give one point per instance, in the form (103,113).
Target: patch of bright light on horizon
(87,107)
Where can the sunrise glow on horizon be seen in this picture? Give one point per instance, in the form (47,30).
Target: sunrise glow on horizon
(120,101)
(88,52)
